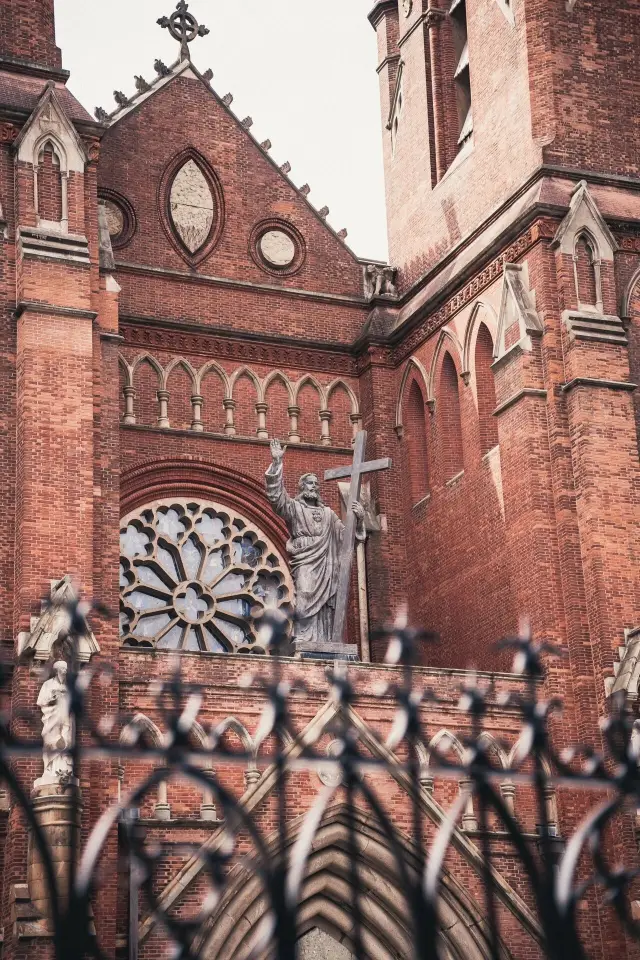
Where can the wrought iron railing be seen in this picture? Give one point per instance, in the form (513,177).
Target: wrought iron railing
(559,873)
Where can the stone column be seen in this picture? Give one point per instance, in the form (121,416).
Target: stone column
(294,414)
(129,397)
(261,410)
(325,423)
(196,405)
(163,400)
(229,406)
(58,810)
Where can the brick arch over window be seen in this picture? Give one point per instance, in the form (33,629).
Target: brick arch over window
(449,420)
(195,477)
(50,203)
(485,389)
(415,424)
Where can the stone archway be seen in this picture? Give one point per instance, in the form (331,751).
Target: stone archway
(324,919)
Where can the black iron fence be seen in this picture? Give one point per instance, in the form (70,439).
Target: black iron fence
(560,871)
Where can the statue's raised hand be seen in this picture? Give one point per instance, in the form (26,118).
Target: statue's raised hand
(277,451)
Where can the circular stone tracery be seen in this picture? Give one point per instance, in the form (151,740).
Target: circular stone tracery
(192,573)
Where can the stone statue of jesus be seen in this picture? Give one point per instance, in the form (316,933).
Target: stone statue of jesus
(314,548)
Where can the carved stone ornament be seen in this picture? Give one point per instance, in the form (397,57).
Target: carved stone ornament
(52,625)
(407,7)
(379,281)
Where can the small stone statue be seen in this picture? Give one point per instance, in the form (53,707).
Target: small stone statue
(314,548)
(379,281)
(57,730)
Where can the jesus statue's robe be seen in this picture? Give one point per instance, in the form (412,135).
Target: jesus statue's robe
(314,549)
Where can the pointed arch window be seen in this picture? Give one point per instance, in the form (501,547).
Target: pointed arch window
(415,424)
(587,271)
(50,185)
(449,421)
(486,390)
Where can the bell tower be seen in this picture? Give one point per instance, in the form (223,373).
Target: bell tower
(28,35)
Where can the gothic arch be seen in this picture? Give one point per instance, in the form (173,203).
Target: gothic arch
(308,379)
(277,376)
(493,747)
(248,374)
(340,383)
(151,360)
(471,329)
(413,364)
(213,367)
(138,725)
(186,366)
(627,297)
(128,370)
(447,339)
(58,148)
(325,898)
(442,737)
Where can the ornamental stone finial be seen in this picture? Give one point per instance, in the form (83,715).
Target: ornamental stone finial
(183,27)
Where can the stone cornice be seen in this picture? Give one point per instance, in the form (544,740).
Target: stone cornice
(380,9)
(210,280)
(623,385)
(174,432)
(32,306)
(520,395)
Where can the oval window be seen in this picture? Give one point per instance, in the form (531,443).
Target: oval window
(192,206)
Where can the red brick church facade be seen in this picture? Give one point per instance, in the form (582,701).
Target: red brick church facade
(170,300)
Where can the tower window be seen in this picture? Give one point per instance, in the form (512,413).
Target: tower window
(395,113)
(49,199)
(462,84)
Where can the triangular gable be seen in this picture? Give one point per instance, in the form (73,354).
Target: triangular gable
(53,623)
(259,791)
(584,215)
(185,69)
(517,306)
(49,120)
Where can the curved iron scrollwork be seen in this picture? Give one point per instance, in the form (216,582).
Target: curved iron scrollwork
(270,867)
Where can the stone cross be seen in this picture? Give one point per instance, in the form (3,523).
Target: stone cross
(354,473)
(183,27)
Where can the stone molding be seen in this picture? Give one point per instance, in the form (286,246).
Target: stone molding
(520,395)
(50,245)
(32,306)
(518,305)
(621,385)
(595,326)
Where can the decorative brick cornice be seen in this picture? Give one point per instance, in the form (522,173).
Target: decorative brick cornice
(623,385)
(198,340)
(491,272)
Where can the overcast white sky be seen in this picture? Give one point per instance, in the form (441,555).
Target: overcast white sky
(303,69)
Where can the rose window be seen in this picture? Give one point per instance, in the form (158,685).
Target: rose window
(192,575)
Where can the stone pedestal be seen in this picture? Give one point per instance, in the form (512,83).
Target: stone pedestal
(58,810)
(326,651)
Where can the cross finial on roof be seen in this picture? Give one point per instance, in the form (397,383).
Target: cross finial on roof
(183,27)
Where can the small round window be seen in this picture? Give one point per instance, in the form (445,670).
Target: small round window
(121,220)
(192,576)
(277,247)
